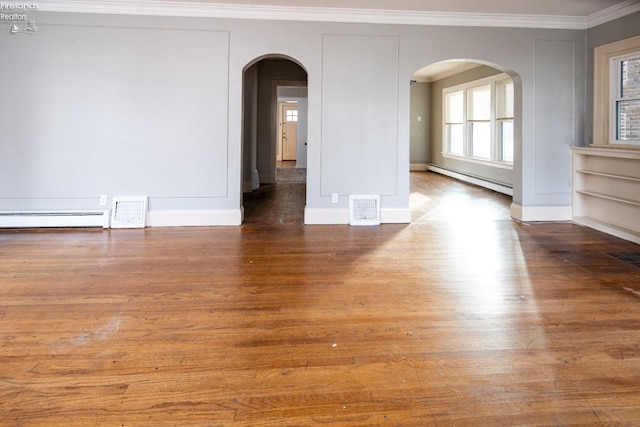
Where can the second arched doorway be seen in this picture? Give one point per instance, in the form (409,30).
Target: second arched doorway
(465,123)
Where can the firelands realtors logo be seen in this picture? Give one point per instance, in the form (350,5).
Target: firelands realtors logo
(18,14)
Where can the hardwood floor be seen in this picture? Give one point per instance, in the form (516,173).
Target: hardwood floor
(463,317)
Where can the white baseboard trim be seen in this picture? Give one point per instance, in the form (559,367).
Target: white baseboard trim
(326,216)
(46,219)
(194,218)
(612,229)
(418,167)
(341,216)
(498,188)
(541,213)
(395,216)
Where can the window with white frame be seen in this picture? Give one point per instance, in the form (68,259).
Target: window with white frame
(504,119)
(478,121)
(292,115)
(613,102)
(454,122)
(625,99)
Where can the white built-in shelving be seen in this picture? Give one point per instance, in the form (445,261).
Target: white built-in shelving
(606,190)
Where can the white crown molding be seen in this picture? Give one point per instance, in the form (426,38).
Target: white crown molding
(371,16)
(614,12)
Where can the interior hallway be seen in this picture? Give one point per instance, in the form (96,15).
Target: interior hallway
(463,317)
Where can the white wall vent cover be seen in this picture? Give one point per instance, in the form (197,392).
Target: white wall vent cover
(364,210)
(129,212)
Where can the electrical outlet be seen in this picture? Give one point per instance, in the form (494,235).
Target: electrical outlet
(103,200)
(334,197)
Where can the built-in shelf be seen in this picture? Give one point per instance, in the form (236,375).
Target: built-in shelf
(609,197)
(606,190)
(609,175)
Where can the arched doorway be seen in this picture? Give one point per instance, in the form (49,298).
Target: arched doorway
(274,127)
(466,123)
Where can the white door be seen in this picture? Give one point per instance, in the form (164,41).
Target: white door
(289,130)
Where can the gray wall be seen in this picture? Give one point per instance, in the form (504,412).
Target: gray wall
(117,111)
(493,174)
(620,29)
(523,54)
(128,105)
(250,174)
(419,123)
(303,123)
(357,86)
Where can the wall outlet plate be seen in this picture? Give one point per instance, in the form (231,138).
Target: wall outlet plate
(103,200)
(334,197)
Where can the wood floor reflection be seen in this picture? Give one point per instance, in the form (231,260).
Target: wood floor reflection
(463,317)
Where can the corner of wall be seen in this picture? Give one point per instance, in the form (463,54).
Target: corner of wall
(541,213)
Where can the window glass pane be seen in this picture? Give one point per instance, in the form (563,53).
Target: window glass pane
(628,120)
(292,115)
(504,99)
(506,140)
(453,103)
(454,136)
(630,78)
(480,102)
(481,139)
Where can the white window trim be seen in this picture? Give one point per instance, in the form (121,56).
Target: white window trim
(615,69)
(602,128)
(494,121)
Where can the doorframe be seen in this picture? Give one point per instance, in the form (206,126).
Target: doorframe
(281,121)
(273,163)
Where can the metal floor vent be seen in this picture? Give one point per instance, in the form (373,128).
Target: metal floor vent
(129,212)
(364,210)
(631,258)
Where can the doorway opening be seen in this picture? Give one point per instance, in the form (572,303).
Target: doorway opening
(274,134)
(466,123)
(287,131)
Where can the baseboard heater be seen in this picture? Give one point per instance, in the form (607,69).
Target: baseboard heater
(44,219)
(472,179)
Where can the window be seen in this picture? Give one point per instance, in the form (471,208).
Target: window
(625,99)
(292,115)
(478,121)
(615,97)
(454,119)
(504,119)
(479,118)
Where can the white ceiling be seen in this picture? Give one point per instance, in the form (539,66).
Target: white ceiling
(578,8)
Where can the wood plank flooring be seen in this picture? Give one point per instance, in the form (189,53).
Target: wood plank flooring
(464,317)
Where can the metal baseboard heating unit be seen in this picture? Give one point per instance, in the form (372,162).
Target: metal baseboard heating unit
(47,219)
(364,210)
(129,212)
